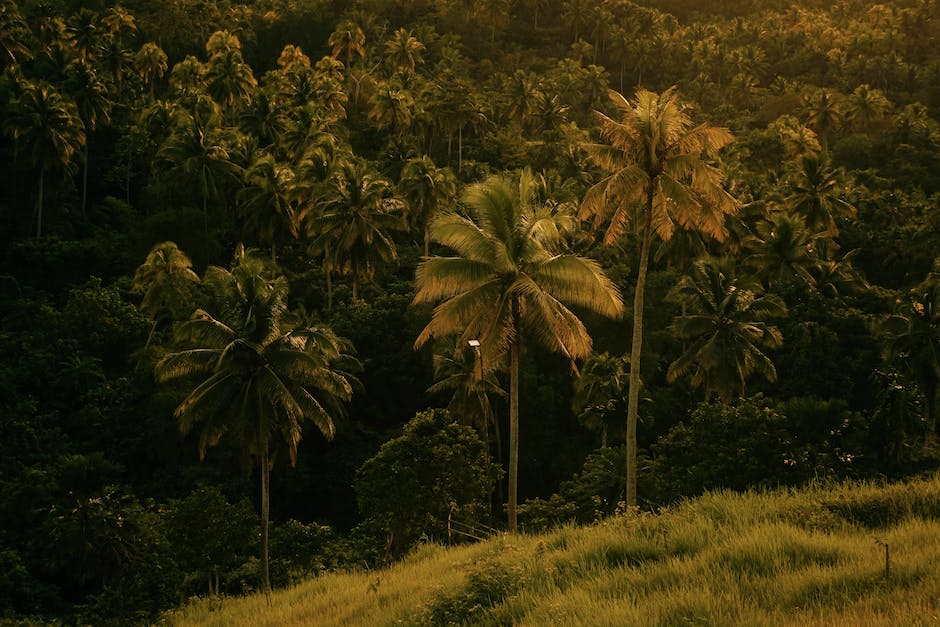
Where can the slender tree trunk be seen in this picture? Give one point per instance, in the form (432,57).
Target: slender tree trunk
(329,290)
(633,400)
(459,148)
(42,175)
(497,436)
(355,288)
(427,239)
(85,181)
(265,520)
(513,420)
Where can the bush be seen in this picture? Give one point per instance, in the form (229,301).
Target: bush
(434,470)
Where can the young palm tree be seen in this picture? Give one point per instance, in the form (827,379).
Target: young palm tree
(151,63)
(91,98)
(659,178)
(46,128)
(727,328)
(510,273)
(258,379)
(404,52)
(783,249)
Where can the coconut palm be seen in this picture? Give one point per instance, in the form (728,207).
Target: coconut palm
(427,189)
(151,63)
(659,177)
(783,249)
(404,51)
(229,80)
(866,107)
(15,36)
(47,129)
(510,274)
(263,203)
(726,327)
(348,39)
(599,392)
(823,112)
(165,279)
(817,192)
(913,341)
(92,100)
(461,373)
(198,153)
(357,211)
(257,378)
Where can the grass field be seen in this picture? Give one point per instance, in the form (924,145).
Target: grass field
(809,557)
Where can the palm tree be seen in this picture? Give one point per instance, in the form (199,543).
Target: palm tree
(404,51)
(461,373)
(91,97)
(913,340)
(198,152)
(817,194)
(263,203)
(151,62)
(257,377)
(659,177)
(165,279)
(727,328)
(510,273)
(599,391)
(48,129)
(783,249)
(866,107)
(824,113)
(15,36)
(229,80)
(356,213)
(347,39)
(427,188)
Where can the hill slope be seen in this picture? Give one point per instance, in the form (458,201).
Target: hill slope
(809,557)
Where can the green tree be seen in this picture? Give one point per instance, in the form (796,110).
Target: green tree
(599,392)
(348,39)
(434,472)
(726,327)
(404,51)
(48,129)
(659,177)
(256,378)
(93,102)
(151,64)
(511,273)
(783,249)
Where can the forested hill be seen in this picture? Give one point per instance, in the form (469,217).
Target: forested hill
(286,287)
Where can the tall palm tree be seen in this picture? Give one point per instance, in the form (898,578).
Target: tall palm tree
(510,273)
(659,177)
(348,39)
(257,378)
(229,80)
(48,129)
(357,213)
(726,325)
(15,36)
(427,189)
(93,101)
(823,112)
(599,391)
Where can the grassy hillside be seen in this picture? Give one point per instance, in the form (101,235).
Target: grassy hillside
(808,557)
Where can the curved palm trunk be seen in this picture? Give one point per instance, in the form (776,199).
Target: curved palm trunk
(265,519)
(633,400)
(513,427)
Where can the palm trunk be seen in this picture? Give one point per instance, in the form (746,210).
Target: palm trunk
(355,288)
(513,419)
(42,175)
(633,401)
(85,182)
(427,239)
(265,520)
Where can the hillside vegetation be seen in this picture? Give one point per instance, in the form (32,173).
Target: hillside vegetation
(802,557)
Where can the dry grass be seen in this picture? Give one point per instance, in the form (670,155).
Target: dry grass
(810,557)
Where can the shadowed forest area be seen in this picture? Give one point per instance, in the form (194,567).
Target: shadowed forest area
(292,286)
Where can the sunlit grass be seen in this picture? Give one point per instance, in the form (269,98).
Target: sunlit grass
(810,557)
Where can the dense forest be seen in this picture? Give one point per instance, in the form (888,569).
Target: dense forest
(293,285)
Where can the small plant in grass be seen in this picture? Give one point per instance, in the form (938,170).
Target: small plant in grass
(488,585)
